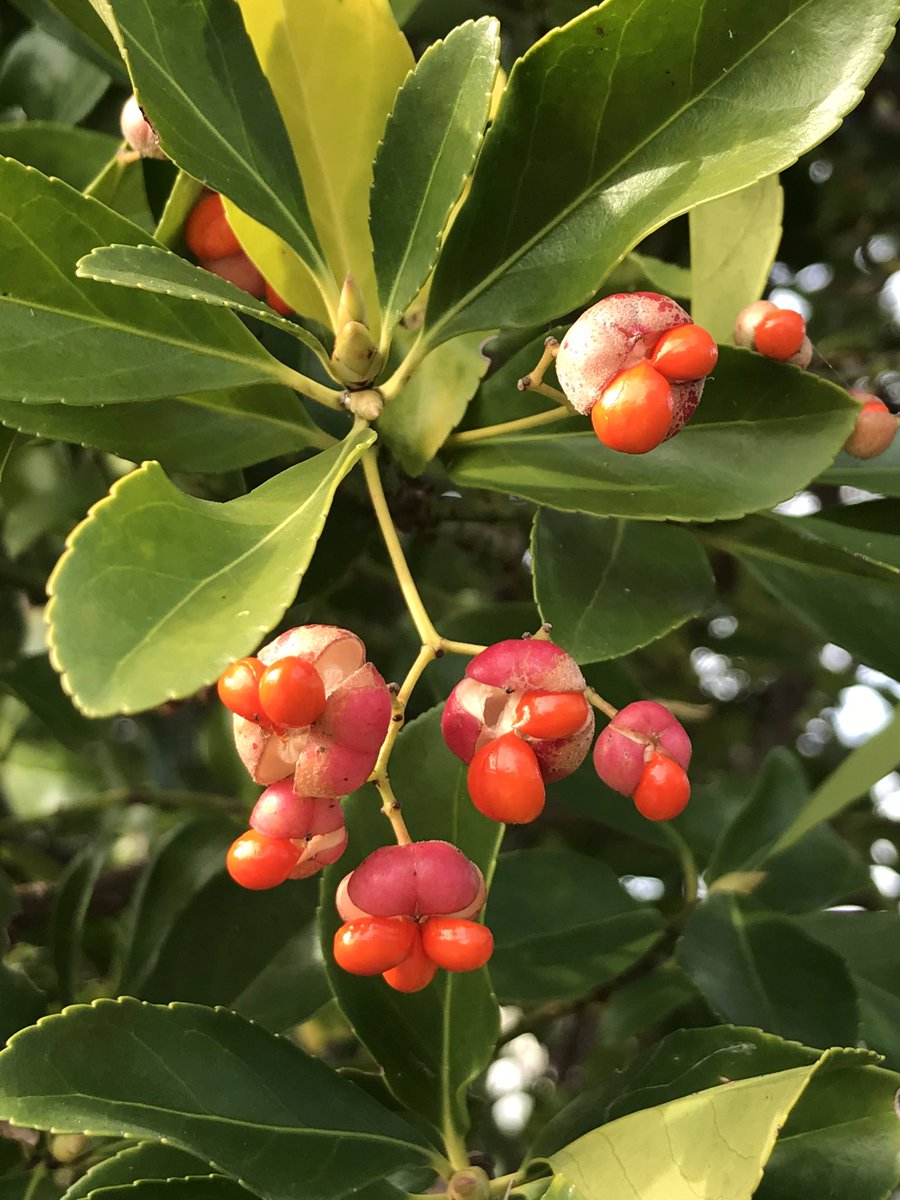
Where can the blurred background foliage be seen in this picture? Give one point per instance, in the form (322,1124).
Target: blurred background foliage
(84,805)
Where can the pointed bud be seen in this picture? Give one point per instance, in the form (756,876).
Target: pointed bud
(367,403)
(355,358)
(351,306)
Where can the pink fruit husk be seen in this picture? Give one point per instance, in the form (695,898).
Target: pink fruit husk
(747,320)
(616,332)
(483,706)
(320,851)
(421,879)
(336,754)
(619,760)
(138,132)
(347,910)
(281,813)
(239,270)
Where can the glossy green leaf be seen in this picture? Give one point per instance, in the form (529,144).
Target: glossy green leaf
(71,154)
(713,1145)
(841,1139)
(755,968)
(417,422)
(608,587)
(762,431)
(46,81)
(335,70)
(73,895)
(203,431)
(734,241)
(429,147)
(668,278)
(250,1104)
(563,925)
(147,1160)
(70,340)
(77,24)
(33,681)
(218,576)
(860,769)
(869,531)
(620,121)
(683,1063)
(175,950)
(198,80)
(880,474)
(152,269)
(206,1187)
(646,1003)
(431,1044)
(779,790)
(842,595)
(21,1003)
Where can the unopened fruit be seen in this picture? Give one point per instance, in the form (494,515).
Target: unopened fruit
(875,430)
(416,880)
(138,132)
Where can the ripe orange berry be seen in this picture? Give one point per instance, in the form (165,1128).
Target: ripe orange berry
(415,972)
(505,782)
(551,714)
(457,945)
(207,232)
(291,692)
(634,412)
(257,862)
(663,789)
(373,945)
(780,334)
(685,352)
(275,301)
(238,687)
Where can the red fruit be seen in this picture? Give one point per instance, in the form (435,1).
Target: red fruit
(504,781)
(238,688)
(207,232)
(551,714)
(257,862)
(373,945)
(415,972)
(686,352)
(634,412)
(664,789)
(619,759)
(275,301)
(291,693)
(780,334)
(457,945)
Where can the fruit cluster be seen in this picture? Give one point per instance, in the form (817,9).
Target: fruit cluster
(407,911)
(520,719)
(636,363)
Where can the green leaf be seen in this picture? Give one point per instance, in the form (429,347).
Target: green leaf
(417,422)
(685,1062)
(718,1141)
(760,969)
(175,949)
(620,121)
(77,24)
(563,925)
(69,340)
(879,474)
(46,81)
(335,70)
(668,278)
(147,1160)
(71,154)
(250,1104)
(761,432)
(434,1043)
(734,241)
(152,269)
(219,574)
(779,790)
(202,431)
(73,895)
(842,594)
(583,567)
(21,1003)
(206,1187)
(429,148)
(860,769)
(33,681)
(198,80)
(841,1139)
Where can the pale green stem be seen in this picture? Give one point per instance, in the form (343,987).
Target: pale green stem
(490,431)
